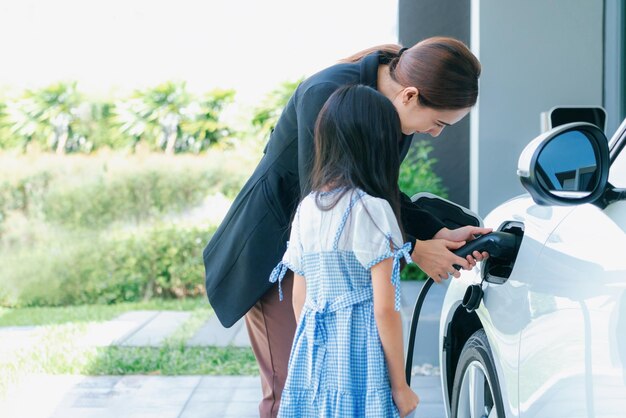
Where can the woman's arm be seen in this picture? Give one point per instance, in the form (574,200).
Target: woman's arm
(389,324)
(299,295)
(417,222)
(433,243)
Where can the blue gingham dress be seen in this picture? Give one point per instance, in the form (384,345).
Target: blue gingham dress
(337,365)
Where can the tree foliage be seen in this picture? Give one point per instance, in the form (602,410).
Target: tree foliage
(267,113)
(166,117)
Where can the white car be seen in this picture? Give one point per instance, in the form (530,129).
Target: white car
(546,337)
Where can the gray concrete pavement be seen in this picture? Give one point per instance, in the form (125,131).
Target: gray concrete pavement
(134,396)
(212,333)
(160,397)
(426,339)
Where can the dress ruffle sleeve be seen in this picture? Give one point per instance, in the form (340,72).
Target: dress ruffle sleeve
(292,259)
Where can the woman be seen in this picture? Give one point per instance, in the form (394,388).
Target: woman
(432,85)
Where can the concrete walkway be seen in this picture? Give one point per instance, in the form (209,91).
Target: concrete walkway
(134,396)
(189,396)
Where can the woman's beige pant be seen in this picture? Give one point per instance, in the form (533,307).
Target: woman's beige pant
(271,326)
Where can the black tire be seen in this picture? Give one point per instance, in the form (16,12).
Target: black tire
(476,363)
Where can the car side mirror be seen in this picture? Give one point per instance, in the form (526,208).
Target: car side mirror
(568,165)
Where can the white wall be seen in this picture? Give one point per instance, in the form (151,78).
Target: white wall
(556,59)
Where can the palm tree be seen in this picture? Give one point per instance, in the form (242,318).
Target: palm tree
(60,102)
(164,104)
(132,117)
(201,125)
(45,113)
(23,120)
(267,113)
(5,128)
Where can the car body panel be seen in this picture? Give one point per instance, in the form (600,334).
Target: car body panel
(576,321)
(559,346)
(557,326)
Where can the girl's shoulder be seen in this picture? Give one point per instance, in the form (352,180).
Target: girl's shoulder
(370,202)
(354,199)
(377,212)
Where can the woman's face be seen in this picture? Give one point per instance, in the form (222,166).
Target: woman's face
(416,118)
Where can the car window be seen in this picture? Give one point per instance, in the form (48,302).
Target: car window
(617,175)
(568,163)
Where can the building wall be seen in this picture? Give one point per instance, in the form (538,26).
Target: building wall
(535,54)
(614,63)
(420,19)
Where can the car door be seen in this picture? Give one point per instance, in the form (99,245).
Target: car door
(507,310)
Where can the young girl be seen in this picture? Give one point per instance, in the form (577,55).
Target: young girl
(345,250)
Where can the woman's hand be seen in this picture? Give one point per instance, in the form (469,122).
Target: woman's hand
(436,259)
(465,233)
(405,399)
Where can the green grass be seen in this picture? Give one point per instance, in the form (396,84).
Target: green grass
(58,348)
(172,360)
(91,313)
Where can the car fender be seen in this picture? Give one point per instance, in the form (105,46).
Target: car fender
(503,312)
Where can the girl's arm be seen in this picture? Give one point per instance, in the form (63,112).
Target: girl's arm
(299,295)
(388,321)
(389,324)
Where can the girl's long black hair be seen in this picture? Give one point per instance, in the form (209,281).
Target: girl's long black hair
(357,140)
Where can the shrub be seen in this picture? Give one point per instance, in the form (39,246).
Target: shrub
(134,196)
(93,192)
(157,261)
(417,175)
(416,172)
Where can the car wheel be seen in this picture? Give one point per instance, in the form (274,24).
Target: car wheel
(476,392)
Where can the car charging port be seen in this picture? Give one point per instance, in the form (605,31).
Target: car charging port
(502,246)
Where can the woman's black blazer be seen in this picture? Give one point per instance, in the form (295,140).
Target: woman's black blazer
(252,237)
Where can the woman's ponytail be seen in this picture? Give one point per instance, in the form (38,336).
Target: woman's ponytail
(389,49)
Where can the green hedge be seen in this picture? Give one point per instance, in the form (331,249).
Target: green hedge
(102,228)
(158,261)
(92,192)
(133,196)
